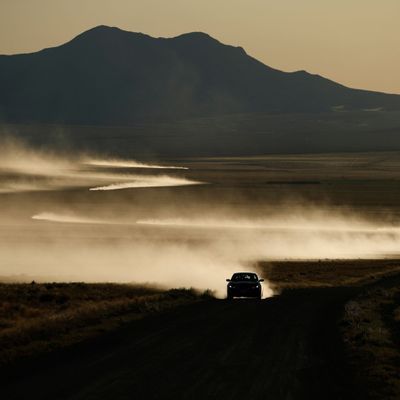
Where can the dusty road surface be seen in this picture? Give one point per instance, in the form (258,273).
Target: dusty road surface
(285,347)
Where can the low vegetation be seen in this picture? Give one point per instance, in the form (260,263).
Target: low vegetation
(371,327)
(36,318)
(325,273)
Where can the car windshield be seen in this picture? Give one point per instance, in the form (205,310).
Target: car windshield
(244,277)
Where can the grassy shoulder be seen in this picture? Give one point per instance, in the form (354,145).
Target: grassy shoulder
(371,328)
(325,273)
(37,318)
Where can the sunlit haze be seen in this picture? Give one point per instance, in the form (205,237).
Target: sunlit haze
(155,223)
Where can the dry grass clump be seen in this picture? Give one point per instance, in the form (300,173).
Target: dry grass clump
(371,327)
(325,273)
(40,317)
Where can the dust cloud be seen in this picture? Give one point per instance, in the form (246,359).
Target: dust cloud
(170,232)
(23,169)
(143,182)
(68,219)
(188,253)
(118,163)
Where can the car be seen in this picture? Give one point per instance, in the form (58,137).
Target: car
(244,284)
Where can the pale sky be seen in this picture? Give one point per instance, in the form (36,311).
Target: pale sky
(354,42)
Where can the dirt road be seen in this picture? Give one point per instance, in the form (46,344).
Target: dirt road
(286,347)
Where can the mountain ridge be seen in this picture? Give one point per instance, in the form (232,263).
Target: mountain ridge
(109,76)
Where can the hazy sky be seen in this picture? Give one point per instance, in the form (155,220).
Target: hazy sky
(355,42)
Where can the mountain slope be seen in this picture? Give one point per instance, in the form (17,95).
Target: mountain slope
(110,76)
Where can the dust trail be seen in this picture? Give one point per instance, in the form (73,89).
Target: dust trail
(297,234)
(148,182)
(16,187)
(199,252)
(271,225)
(116,163)
(162,263)
(64,218)
(174,239)
(25,169)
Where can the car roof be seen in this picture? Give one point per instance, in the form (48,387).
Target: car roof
(245,272)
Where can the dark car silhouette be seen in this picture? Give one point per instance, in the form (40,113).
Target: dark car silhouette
(244,284)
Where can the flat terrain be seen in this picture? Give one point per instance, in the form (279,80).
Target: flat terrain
(370,329)
(239,135)
(285,217)
(310,341)
(326,273)
(284,347)
(38,318)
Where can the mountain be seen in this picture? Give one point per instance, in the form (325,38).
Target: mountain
(107,76)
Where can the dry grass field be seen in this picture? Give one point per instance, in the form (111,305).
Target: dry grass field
(370,329)
(37,318)
(326,273)
(370,322)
